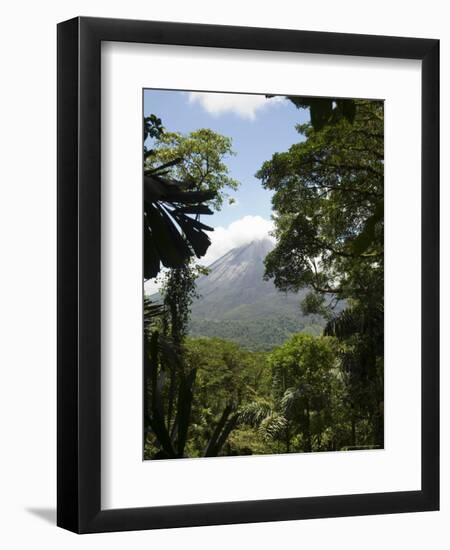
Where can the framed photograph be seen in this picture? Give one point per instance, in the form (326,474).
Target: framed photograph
(248,288)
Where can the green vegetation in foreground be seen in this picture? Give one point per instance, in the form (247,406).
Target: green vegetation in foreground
(293,399)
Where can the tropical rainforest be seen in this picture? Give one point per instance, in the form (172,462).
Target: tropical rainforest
(301,387)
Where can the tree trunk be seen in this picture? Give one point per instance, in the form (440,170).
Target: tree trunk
(287,439)
(308,446)
(353,431)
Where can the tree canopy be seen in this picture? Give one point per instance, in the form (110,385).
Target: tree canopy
(328,206)
(329,223)
(305,381)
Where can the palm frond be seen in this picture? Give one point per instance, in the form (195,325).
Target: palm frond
(255,412)
(152,311)
(171,236)
(272,426)
(351,321)
(290,399)
(345,324)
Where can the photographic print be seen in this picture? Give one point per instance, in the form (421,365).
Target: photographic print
(263,253)
(221,282)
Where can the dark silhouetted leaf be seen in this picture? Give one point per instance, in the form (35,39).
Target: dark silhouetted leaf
(197,209)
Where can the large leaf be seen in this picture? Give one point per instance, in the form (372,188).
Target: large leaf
(272,426)
(171,247)
(196,209)
(152,259)
(255,412)
(344,324)
(162,189)
(194,232)
(325,111)
(348,108)
(171,237)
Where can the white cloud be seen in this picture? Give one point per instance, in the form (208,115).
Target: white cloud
(243,105)
(239,232)
(152,286)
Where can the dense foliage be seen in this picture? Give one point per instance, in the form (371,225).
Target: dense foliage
(292,399)
(329,205)
(279,386)
(201,163)
(259,334)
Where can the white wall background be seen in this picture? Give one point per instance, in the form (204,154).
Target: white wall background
(28,270)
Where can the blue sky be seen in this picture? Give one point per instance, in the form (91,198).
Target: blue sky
(258,127)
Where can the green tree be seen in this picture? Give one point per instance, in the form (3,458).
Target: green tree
(328,205)
(180,174)
(224,378)
(197,159)
(329,223)
(325,110)
(201,167)
(305,379)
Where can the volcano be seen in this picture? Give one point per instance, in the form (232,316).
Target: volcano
(236,303)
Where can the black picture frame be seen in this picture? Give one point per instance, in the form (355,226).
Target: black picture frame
(79,281)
